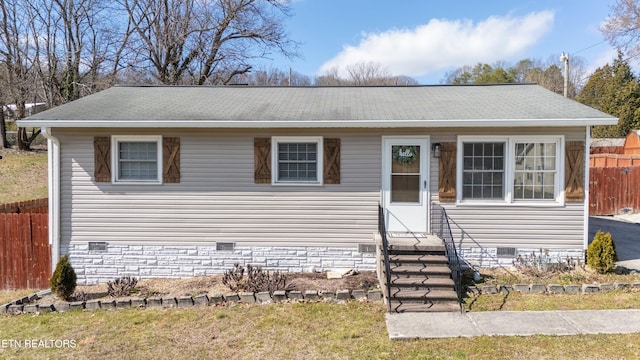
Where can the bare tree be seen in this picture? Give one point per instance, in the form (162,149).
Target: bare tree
(330,78)
(622,27)
(367,73)
(3,126)
(207,41)
(273,77)
(364,74)
(16,56)
(78,44)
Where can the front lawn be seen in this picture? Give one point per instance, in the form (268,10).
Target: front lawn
(282,331)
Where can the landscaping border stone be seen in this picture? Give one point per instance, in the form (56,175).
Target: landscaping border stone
(296,295)
(263,297)
(23,305)
(572,289)
(201,300)
(185,301)
(537,289)
(550,289)
(93,305)
(555,289)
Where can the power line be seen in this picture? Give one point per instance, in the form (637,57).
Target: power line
(623,60)
(589,47)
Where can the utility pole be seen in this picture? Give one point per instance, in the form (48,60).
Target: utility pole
(565,59)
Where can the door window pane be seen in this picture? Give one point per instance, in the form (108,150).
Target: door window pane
(405,173)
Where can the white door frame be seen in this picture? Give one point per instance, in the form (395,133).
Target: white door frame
(406,217)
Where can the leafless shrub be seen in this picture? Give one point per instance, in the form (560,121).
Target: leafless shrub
(122,286)
(256,279)
(542,264)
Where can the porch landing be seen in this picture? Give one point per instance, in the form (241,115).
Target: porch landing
(414,241)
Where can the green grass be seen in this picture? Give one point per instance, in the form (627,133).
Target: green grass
(23,176)
(282,331)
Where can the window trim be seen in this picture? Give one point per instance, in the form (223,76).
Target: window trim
(509,169)
(275,140)
(115,157)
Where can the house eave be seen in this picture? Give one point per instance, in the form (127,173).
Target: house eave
(264,124)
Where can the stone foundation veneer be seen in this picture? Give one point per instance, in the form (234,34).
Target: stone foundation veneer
(169,261)
(488,257)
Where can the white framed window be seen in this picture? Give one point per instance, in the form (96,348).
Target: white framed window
(297,160)
(483,170)
(510,169)
(535,170)
(136,159)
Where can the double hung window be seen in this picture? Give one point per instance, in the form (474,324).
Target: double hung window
(137,158)
(509,169)
(297,160)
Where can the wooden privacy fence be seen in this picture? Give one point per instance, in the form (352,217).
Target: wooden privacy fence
(613,160)
(612,189)
(38,206)
(25,257)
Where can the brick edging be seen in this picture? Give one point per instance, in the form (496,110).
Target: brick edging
(23,305)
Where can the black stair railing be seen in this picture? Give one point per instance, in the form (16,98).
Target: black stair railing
(441,228)
(382,229)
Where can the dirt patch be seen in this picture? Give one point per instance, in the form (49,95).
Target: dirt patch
(211,285)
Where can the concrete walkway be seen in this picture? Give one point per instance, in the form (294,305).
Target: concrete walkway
(511,323)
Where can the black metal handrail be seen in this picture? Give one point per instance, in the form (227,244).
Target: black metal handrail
(441,228)
(382,229)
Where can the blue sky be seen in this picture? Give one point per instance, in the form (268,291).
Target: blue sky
(425,39)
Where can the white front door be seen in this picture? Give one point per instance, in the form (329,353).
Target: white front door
(405,183)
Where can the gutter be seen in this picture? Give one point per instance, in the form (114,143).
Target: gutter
(315,124)
(53,156)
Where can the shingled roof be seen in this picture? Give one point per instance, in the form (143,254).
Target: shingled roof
(263,107)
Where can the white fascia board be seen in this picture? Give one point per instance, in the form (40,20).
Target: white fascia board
(316,123)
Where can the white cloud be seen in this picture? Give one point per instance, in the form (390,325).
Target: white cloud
(442,44)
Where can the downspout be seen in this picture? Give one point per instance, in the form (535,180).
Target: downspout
(586,187)
(53,146)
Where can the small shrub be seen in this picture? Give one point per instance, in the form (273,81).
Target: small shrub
(543,265)
(63,280)
(601,253)
(255,281)
(234,278)
(122,286)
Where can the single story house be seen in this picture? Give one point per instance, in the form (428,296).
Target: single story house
(160,181)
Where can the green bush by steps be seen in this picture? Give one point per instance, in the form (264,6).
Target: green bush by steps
(601,253)
(63,280)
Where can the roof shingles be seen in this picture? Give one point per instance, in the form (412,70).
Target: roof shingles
(306,106)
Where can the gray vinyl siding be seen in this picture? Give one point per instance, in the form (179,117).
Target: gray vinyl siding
(217,200)
(552,227)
